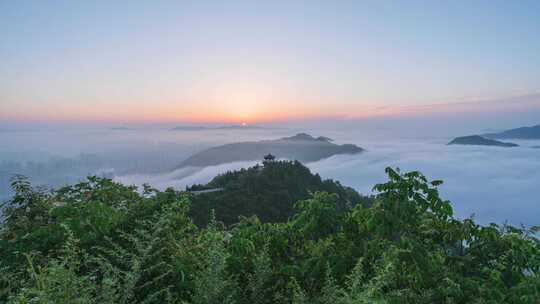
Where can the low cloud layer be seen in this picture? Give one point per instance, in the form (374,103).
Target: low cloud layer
(180,178)
(495,184)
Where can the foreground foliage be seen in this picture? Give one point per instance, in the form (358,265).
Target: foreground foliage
(101,242)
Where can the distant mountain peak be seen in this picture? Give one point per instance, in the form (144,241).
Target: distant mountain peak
(307,137)
(324,138)
(300,136)
(302,147)
(532,132)
(478,140)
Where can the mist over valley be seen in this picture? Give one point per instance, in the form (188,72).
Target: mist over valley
(493,183)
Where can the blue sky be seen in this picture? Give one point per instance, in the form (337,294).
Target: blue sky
(259,61)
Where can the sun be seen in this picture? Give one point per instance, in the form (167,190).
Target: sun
(244,124)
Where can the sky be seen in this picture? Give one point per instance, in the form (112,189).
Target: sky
(264,61)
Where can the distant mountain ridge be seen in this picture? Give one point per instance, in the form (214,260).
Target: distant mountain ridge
(302,147)
(225,127)
(518,133)
(479,141)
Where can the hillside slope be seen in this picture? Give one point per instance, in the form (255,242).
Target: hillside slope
(268,191)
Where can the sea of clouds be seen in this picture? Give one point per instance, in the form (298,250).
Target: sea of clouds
(495,184)
(492,183)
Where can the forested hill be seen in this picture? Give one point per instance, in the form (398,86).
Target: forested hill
(268,191)
(99,241)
